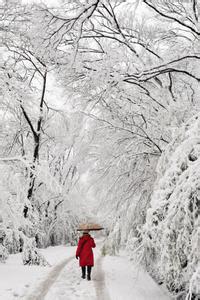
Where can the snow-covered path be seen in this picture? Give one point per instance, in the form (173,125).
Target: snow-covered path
(45,286)
(128,282)
(68,284)
(113,278)
(99,282)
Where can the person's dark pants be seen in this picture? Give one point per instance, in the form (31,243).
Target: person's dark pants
(89,269)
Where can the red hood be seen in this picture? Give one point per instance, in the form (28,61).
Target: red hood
(86,237)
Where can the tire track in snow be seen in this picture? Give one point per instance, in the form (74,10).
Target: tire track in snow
(99,282)
(40,292)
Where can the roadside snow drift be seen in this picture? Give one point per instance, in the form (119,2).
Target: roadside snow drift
(172,230)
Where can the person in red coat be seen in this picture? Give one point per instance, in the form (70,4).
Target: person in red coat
(85,254)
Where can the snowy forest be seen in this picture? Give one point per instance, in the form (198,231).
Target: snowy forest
(100,118)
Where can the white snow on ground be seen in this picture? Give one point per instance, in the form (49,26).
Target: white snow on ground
(126,282)
(70,285)
(113,278)
(16,279)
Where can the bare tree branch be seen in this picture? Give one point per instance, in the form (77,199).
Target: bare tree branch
(171,18)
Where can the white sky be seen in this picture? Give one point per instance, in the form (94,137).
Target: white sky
(49,2)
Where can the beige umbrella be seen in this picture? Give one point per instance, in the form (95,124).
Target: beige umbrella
(89,226)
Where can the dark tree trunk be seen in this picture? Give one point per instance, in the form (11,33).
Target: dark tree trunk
(36,136)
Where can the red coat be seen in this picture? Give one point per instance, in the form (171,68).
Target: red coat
(84,250)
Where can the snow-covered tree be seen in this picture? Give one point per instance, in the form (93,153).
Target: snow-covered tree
(37,160)
(171,236)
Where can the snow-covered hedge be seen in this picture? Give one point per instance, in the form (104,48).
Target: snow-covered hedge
(31,255)
(171,237)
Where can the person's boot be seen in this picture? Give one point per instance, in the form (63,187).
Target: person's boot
(89,269)
(88,277)
(83,273)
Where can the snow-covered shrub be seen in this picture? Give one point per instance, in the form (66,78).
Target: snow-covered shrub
(3,250)
(125,228)
(194,289)
(31,255)
(13,241)
(3,253)
(171,237)
(112,243)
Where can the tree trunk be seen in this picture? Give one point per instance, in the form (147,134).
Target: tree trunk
(36,137)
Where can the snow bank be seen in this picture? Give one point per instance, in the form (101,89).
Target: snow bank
(18,281)
(171,237)
(125,281)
